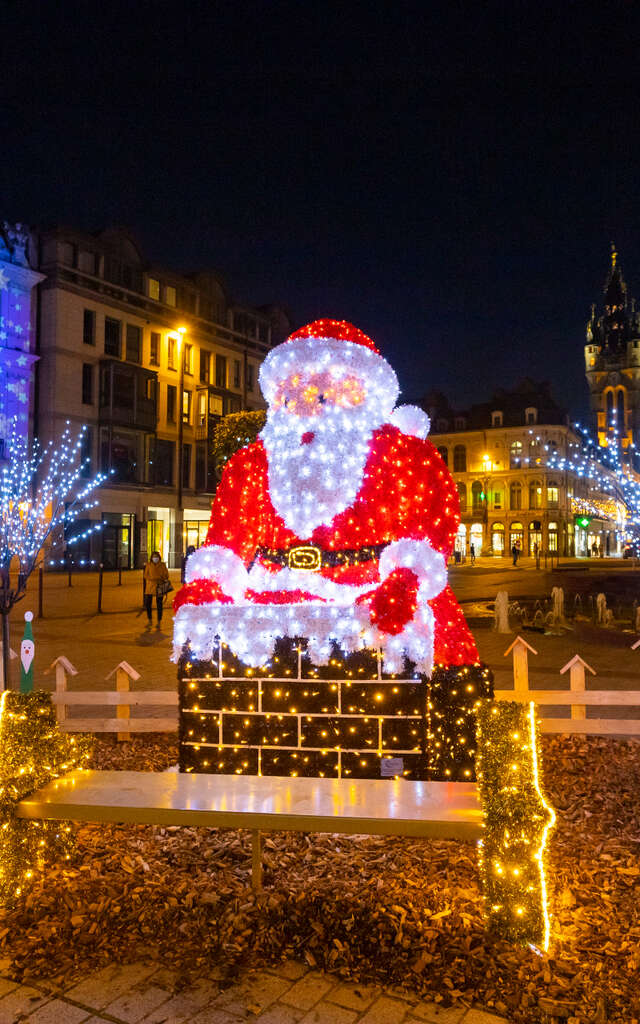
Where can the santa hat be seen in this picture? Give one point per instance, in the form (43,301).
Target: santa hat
(333,346)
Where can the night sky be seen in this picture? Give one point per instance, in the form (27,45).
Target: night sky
(448,177)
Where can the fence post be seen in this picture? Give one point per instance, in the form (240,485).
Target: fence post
(125,675)
(100,587)
(63,668)
(577,683)
(520,668)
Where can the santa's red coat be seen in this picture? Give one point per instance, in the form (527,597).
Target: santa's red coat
(406,492)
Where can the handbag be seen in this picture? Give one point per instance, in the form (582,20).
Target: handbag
(163,588)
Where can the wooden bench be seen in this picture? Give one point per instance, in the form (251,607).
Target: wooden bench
(442,810)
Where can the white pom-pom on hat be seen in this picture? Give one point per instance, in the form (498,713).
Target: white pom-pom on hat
(410,419)
(28,616)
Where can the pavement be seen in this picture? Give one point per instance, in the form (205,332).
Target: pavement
(289,994)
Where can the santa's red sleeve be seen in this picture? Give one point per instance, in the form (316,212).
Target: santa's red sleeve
(426,507)
(217,571)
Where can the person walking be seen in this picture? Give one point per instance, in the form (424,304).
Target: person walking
(155,573)
(515,553)
(472,552)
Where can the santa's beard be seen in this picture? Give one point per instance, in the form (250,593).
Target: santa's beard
(311,483)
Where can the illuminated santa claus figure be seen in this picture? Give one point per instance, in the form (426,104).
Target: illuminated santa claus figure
(335,526)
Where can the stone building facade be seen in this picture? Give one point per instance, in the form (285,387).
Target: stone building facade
(149,360)
(506,457)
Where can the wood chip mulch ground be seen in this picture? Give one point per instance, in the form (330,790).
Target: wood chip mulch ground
(389,911)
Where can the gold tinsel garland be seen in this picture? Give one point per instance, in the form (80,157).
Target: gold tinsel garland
(33,752)
(517,822)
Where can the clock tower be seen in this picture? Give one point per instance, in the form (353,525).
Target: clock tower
(612,363)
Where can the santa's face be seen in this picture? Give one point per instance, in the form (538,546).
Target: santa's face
(317,437)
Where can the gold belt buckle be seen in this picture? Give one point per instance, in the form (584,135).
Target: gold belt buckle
(305,557)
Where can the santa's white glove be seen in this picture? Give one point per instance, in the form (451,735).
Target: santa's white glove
(428,564)
(222,566)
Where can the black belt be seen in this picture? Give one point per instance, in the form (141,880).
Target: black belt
(310,558)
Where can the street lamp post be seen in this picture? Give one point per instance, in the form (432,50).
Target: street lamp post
(181,333)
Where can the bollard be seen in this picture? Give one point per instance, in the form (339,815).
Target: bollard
(119,575)
(69,575)
(100,587)
(40,592)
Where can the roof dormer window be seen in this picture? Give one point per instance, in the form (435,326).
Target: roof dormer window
(530,416)
(496,418)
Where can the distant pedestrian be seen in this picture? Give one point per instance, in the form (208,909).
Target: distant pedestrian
(156,578)
(190,551)
(472,552)
(514,553)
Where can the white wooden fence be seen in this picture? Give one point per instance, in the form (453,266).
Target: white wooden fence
(577,697)
(123,698)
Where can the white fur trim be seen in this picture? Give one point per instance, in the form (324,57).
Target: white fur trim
(410,419)
(312,582)
(428,564)
(250,631)
(222,565)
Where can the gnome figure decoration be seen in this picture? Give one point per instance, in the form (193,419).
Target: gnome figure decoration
(27,651)
(335,525)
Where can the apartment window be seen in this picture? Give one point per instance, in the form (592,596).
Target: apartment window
(163,463)
(87,262)
(552,494)
(186,465)
(444,454)
(154,349)
(204,366)
(516,496)
(172,398)
(153,288)
(516,454)
(496,419)
(535,494)
(112,333)
(134,343)
(187,358)
(201,467)
(459,459)
(89,327)
(170,295)
(477,495)
(186,407)
(171,353)
(460,422)
(249,377)
(87,384)
(236,373)
(202,408)
(497,499)
(462,496)
(221,371)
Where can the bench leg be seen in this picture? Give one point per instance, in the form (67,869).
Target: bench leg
(256,859)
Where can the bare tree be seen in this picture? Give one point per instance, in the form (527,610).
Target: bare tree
(42,492)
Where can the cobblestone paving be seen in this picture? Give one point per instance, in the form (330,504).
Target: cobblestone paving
(289,994)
